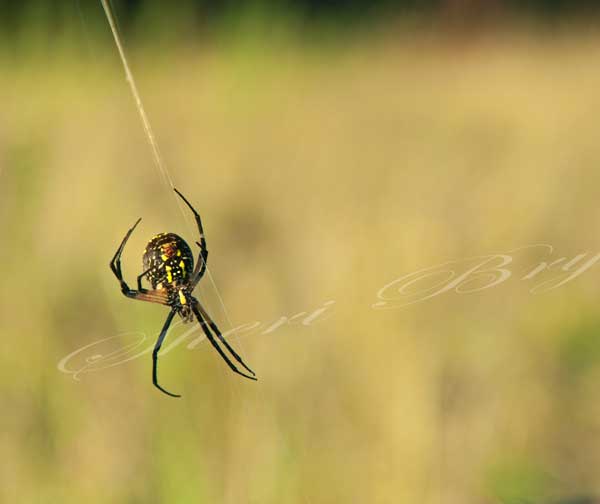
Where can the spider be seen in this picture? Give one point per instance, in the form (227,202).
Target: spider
(169,267)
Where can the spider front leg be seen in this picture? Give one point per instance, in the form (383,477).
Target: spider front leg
(115,264)
(200,267)
(139,280)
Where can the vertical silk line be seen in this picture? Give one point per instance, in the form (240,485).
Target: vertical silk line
(136,96)
(158,160)
(166,177)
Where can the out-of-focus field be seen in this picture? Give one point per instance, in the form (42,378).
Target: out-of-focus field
(321,175)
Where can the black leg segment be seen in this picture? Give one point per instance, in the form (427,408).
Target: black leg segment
(115,263)
(159,343)
(202,258)
(213,342)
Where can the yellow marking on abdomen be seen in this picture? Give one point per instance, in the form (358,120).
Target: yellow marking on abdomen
(182,297)
(182,266)
(169,274)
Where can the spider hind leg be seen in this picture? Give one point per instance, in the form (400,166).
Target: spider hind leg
(200,314)
(157,346)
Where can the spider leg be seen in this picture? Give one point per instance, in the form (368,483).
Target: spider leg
(216,345)
(215,329)
(115,263)
(200,268)
(159,343)
(139,280)
(143,295)
(203,256)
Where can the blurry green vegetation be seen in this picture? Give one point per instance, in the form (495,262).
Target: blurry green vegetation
(50,23)
(324,168)
(580,349)
(519,482)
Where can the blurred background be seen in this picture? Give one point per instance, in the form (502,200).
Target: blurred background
(331,148)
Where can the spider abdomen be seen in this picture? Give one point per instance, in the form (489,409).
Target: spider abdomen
(168,260)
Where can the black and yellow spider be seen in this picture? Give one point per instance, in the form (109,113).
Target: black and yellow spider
(169,267)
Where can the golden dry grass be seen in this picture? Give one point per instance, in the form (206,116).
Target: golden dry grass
(320,175)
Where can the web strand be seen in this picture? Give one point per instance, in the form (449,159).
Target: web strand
(166,177)
(164,172)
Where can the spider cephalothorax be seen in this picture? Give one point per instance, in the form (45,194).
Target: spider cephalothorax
(169,267)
